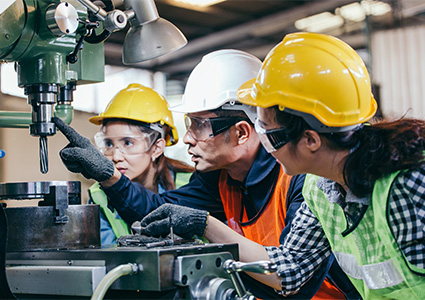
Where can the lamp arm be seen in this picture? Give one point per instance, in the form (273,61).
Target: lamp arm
(130,13)
(99,12)
(112,20)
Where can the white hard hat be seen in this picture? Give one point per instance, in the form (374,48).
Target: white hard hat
(214,82)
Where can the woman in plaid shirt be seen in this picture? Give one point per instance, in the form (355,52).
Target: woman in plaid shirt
(366,199)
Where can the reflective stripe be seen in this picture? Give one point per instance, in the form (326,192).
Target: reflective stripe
(376,276)
(376,265)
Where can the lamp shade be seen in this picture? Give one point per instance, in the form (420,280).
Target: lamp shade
(150,40)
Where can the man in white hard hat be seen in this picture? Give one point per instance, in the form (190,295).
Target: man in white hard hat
(236,180)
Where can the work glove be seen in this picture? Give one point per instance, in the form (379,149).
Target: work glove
(81,156)
(186,221)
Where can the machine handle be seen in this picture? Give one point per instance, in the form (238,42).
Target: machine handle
(262,266)
(233,267)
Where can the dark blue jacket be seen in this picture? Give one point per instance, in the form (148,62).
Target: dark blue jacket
(133,202)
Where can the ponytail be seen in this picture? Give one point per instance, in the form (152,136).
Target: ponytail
(167,168)
(383,148)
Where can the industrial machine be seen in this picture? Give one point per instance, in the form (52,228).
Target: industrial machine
(56,253)
(57,45)
(53,250)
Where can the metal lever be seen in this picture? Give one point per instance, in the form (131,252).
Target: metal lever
(261,267)
(233,267)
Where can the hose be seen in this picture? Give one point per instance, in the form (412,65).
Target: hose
(110,278)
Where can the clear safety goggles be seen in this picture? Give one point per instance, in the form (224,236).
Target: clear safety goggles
(128,145)
(272,139)
(201,129)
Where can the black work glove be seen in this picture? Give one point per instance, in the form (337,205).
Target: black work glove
(81,156)
(186,221)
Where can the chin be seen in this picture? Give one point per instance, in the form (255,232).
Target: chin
(203,168)
(130,176)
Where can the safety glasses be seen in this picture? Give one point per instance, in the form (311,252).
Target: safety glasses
(201,129)
(128,145)
(272,139)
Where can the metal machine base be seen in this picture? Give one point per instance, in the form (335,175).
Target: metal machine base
(174,272)
(54,252)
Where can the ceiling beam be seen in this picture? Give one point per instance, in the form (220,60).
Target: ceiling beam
(272,24)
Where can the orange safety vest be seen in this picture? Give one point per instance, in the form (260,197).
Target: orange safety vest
(266,227)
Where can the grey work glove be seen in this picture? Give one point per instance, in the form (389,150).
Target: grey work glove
(81,156)
(186,221)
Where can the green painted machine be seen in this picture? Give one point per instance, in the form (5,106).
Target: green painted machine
(41,37)
(57,45)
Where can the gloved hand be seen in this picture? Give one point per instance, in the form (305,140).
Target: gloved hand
(81,156)
(186,221)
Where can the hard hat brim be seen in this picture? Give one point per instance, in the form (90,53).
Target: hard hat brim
(244,93)
(96,120)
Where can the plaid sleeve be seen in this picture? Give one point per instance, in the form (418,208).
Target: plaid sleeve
(304,249)
(407,215)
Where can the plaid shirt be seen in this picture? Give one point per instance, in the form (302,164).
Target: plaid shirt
(306,246)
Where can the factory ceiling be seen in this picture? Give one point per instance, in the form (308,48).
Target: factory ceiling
(254,26)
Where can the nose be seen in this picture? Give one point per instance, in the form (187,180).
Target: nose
(117,155)
(188,139)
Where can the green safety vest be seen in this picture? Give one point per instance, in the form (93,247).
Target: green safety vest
(119,226)
(182,179)
(369,255)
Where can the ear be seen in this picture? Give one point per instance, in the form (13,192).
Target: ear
(157,149)
(313,140)
(243,131)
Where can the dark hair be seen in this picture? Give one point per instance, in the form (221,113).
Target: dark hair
(166,168)
(228,113)
(376,149)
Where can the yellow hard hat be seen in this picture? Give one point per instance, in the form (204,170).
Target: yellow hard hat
(140,103)
(316,75)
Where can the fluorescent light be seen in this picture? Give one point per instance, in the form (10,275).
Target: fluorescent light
(202,3)
(352,12)
(375,8)
(357,12)
(320,23)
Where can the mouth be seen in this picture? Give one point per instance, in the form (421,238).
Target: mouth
(194,156)
(122,170)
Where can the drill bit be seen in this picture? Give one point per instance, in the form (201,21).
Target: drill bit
(44,159)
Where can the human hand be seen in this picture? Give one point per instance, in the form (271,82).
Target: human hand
(186,221)
(81,156)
